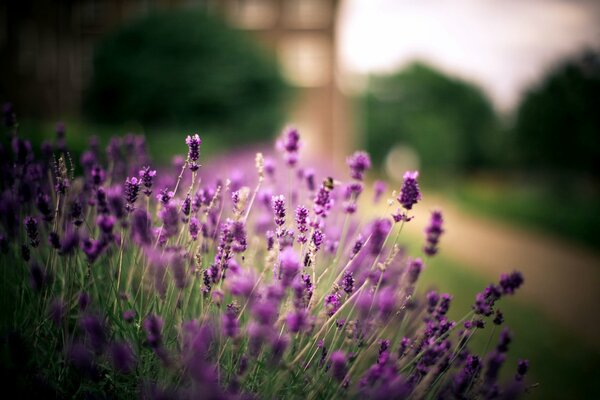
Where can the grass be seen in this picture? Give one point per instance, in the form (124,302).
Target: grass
(572,214)
(562,365)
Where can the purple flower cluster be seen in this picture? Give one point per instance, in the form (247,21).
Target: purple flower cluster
(204,291)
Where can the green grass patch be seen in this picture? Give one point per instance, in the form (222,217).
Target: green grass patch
(571,213)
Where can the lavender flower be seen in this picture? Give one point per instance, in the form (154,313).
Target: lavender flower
(409,193)
(229,322)
(147,177)
(348,282)
(132,189)
(289,265)
(512,282)
(522,367)
(432,233)
(379,231)
(194,228)
(31,227)
(379,188)
(338,365)
(193,143)
(289,144)
(122,357)
(302,223)
(359,163)
(153,325)
(278,204)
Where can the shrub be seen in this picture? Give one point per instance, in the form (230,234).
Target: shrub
(185,68)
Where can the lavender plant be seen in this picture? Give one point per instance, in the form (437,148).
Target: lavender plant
(274,286)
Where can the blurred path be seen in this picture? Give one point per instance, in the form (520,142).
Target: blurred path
(561,278)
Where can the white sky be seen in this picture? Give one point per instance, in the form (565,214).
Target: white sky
(503,45)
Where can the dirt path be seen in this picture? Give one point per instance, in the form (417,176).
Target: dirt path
(561,278)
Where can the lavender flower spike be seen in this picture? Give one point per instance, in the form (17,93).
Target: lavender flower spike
(409,193)
(359,163)
(193,143)
(289,144)
(147,177)
(433,232)
(132,189)
(278,204)
(31,227)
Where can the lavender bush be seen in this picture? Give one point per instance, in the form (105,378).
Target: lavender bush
(118,282)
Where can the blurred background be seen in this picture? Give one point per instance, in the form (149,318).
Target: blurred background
(496,102)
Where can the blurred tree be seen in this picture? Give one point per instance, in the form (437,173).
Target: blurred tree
(184,68)
(450,123)
(558,121)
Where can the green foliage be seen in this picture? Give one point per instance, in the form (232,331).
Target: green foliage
(449,122)
(558,121)
(183,68)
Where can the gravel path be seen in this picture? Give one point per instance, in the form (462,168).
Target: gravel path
(561,278)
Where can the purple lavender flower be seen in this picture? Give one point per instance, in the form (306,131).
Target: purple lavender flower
(379,188)
(132,189)
(95,330)
(409,193)
(164,196)
(332,303)
(97,175)
(338,365)
(289,265)
(140,228)
(229,322)
(128,316)
(116,201)
(194,228)
(504,340)
(193,143)
(122,357)
(359,163)
(317,238)
(147,177)
(31,228)
(510,283)
(522,368)
(323,201)
(379,231)
(302,223)
(297,320)
(444,306)
(69,242)
(289,144)
(278,204)
(170,218)
(347,282)
(432,300)
(153,325)
(432,233)
(414,270)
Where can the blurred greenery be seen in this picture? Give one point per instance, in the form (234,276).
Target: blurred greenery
(573,214)
(449,122)
(558,121)
(183,68)
(564,367)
